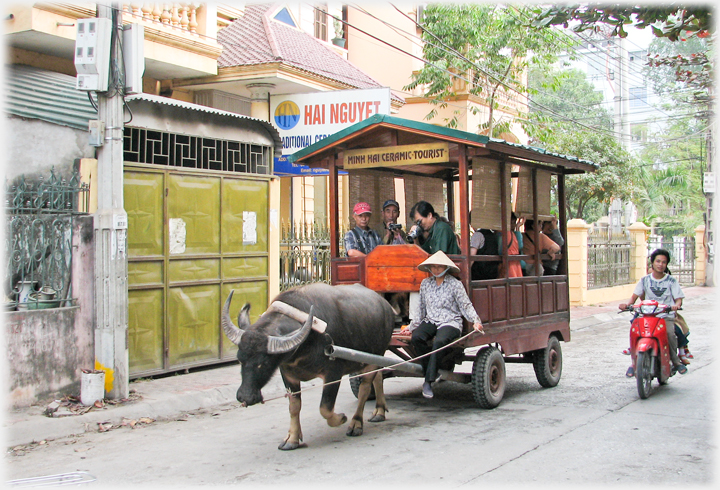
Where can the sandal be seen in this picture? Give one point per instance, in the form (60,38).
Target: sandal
(630,373)
(684,359)
(681,368)
(687,354)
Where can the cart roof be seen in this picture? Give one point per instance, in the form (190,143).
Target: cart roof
(383,131)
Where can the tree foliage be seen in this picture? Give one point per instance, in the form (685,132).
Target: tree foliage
(614,178)
(488,46)
(567,117)
(672,21)
(670,193)
(669,177)
(562,101)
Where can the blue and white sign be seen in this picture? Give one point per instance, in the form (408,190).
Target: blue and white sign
(304,119)
(285,168)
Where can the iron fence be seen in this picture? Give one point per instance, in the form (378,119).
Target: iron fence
(608,259)
(39,220)
(682,256)
(304,254)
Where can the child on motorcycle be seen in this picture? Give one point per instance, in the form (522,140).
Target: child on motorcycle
(663,288)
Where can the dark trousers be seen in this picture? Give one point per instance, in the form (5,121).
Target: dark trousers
(419,341)
(682,339)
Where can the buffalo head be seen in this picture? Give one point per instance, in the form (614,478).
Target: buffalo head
(260,348)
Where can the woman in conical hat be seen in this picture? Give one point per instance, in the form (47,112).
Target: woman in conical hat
(438,314)
(439,258)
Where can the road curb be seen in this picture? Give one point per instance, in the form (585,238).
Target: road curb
(29,426)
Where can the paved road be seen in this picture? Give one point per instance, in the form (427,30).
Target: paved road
(590,429)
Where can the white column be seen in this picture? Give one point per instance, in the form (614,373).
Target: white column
(260,100)
(111,288)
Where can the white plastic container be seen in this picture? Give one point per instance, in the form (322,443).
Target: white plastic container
(92,386)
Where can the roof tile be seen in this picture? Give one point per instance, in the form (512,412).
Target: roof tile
(256,38)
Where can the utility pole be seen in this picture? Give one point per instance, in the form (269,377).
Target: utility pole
(710,210)
(622,94)
(111,264)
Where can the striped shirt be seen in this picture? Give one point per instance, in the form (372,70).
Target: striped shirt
(368,240)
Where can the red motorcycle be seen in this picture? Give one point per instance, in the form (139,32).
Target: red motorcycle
(649,345)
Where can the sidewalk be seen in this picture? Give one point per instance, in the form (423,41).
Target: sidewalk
(173,397)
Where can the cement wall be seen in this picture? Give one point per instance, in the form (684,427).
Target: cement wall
(45,353)
(47,349)
(33,147)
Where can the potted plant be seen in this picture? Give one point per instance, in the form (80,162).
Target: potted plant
(338,40)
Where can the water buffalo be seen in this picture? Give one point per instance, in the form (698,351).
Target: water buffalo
(356,318)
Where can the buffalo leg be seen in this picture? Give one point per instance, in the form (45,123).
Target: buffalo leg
(380,404)
(356,424)
(327,403)
(294,437)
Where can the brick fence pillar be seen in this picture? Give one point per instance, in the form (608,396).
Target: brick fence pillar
(638,253)
(577,250)
(700,257)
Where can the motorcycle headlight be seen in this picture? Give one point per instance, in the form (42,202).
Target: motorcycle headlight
(647,309)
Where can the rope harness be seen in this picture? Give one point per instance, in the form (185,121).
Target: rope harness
(292,393)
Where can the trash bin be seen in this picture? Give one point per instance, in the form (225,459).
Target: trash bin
(92,386)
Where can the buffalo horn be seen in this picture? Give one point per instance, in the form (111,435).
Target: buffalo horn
(286,343)
(233,333)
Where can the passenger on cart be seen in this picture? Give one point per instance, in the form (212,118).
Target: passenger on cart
(438,314)
(547,246)
(434,232)
(361,240)
(391,232)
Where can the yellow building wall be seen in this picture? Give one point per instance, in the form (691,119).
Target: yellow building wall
(389,66)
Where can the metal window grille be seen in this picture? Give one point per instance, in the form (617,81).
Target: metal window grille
(39,220)
(608,259)
(181,150)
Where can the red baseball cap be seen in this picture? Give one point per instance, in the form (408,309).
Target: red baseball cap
(362,207)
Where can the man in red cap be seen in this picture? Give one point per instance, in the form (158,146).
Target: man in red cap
(361,240)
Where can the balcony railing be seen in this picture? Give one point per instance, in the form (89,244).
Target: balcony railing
(181,16)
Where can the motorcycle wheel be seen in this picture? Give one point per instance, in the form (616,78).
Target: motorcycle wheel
(643,374)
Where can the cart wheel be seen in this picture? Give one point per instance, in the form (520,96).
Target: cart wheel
(355,387)
(643,374)
(548,363)
(488,378)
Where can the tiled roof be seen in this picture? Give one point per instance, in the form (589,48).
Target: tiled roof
(257,39)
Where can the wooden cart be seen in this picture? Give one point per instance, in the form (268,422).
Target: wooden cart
(525,318)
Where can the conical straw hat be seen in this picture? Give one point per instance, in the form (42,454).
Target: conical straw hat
(438,258)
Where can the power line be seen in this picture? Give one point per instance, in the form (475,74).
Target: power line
(331,74)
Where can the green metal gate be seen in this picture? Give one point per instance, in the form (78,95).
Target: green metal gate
(193,235)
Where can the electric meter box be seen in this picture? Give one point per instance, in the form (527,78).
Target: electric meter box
(92,54)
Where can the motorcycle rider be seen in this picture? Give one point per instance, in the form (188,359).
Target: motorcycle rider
(663,288)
